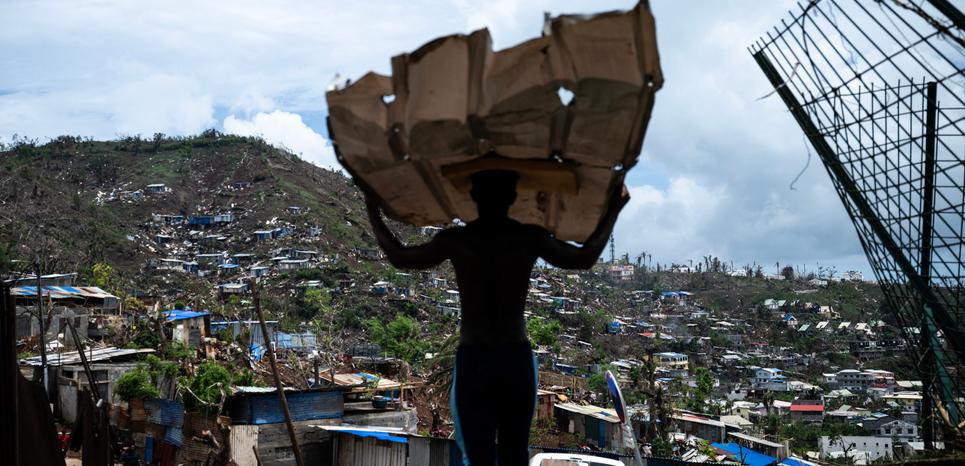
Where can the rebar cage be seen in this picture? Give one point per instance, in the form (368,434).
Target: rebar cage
(878,88)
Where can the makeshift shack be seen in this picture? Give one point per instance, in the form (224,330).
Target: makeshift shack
(188,327)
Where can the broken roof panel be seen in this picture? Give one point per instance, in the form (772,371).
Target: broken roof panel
(415,138)
(62,292)
(604,414)
(93,355)
(362,378)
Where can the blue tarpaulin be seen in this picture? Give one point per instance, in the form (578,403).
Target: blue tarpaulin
(379,435)
(257,351)
(744,455)
(179,314)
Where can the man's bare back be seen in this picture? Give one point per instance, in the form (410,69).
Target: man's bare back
(493,261)
(493,257)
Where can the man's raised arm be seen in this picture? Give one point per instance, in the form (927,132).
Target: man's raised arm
(399,255)
(567,256)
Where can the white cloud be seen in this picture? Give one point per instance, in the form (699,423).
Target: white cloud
(286,130)
(162,103)
(668,223)
(713,178)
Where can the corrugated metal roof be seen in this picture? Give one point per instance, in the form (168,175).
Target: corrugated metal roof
(164,412)
(597,412)
(360,378)
(807,408)
(242,389)
(755,439)
(174,436)
(303,405)
(100,354)
(62,292)
(94,292)
(697,419)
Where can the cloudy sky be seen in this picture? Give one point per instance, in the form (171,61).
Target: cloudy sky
(714,177)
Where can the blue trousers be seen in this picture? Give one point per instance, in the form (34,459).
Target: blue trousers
(492,401)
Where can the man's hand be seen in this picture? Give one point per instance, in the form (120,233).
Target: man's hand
(620,197)
(401,256)
(566,256)
(371,203)
(371,200)
(618,200)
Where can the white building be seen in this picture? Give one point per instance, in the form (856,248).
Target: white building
(158,188)
(676,364)
(860,381)
(769,378)
(862,449)
(852,275)
(899,429)
(293,264)
(621,272)
(224,218)
(170,264)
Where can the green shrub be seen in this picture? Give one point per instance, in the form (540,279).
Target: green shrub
(136,384)
(244,378)
(309,274)
(400,337)
(207,386)
(177,351)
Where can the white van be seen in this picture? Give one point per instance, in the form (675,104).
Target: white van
(571,459)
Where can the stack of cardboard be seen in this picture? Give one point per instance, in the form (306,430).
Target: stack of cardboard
(454,107)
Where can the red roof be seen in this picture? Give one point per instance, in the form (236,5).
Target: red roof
(807,408)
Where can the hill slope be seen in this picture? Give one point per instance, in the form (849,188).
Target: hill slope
(74,203)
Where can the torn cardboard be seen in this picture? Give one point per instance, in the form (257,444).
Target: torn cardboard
(454,107)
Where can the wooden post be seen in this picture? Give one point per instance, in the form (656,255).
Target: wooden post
(315,375)
(405,381)
(159,327)
(9,379)
(274,372)
(95,393)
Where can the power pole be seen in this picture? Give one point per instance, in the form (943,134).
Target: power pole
(43,329)
(613,248)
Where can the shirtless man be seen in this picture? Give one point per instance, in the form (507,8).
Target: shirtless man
(495,377)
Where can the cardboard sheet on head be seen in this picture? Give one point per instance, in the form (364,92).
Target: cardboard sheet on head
(567,111)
